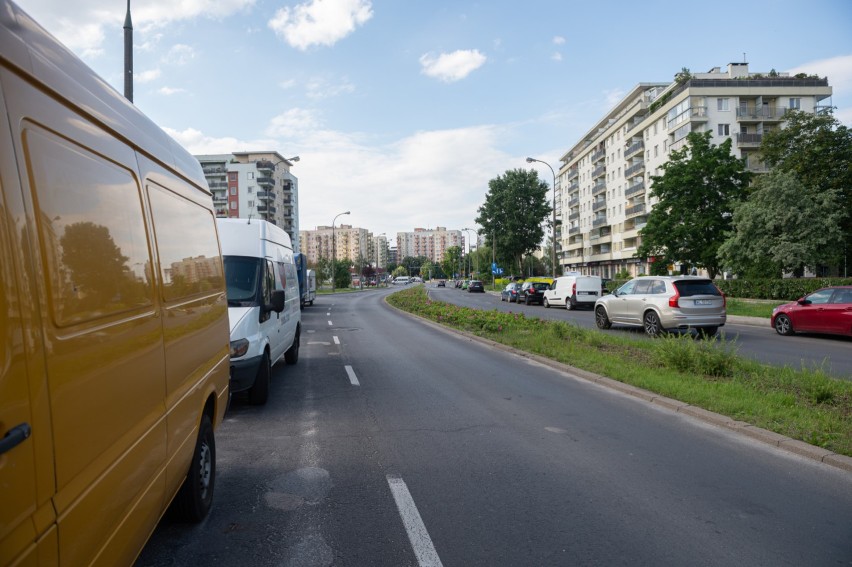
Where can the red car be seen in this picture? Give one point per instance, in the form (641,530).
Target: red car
(828,310)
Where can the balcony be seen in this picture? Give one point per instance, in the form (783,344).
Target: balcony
(572,174)
(749,140)
(600,221)
(598,155)
(599,205)
(760,114)
(213,171)
(265,181)
(634,148)
(266,166)
(599,187)
(635,189)
(698,113)
(635,210)
(634,170)
(599,171)
(573,202)
(573,216)
(573,186)
(266,195)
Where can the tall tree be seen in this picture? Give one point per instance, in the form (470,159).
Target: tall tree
(776,230)
(511,217)
(817,148)
(698,189)
(452,260)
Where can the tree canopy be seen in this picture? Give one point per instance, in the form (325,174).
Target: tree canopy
(451,262)
(778,229)
(511,217)
(817,149)
(698,189)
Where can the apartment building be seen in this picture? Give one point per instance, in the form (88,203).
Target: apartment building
(254,185)
(604,180)
(350,243)
(427,242)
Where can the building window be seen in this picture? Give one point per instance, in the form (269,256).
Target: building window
(656,151)
(250,175)
(795,104)
(233,204)
(232,176)
(724,129)
(233,190)
(723,104)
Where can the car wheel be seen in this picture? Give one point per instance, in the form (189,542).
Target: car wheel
(259,391)
(569,303)
(652,324)
(292,354)
(546,303)
(601,319)
(195,497)
(783,326)
(527,300)
(707,332)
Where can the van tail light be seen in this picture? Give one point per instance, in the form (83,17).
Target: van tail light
(673,300)
(724,299)
(574,289)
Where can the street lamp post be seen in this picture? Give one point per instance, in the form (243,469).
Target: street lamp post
(468,250)
(376,240)
(553,237)
(334,250)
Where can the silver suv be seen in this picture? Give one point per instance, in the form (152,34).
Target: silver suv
(664,303)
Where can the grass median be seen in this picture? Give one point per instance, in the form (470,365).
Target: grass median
(805,404)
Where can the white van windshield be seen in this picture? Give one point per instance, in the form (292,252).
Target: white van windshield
(241,280)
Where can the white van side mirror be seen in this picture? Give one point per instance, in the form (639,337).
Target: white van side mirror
(278,299)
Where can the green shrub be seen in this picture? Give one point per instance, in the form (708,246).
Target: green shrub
(784,289)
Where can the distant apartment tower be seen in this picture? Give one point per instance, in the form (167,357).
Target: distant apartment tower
(604,182)
(255,185)
(427,242)
(350,243)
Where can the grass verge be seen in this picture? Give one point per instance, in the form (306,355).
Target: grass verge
(804,404)
(751,308)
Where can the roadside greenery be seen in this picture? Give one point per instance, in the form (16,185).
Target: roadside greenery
(804,404)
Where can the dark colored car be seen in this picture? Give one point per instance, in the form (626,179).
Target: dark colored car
(475,285)
(533,292)
(511,292)
(828,310)
(442,283)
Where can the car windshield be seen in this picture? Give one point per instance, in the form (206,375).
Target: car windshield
(696,287)
(241,280)
(540,286)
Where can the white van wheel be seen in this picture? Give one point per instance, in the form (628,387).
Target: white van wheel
(195,497)
(292,354)
(259,391)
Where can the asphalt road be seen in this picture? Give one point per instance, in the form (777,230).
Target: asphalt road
(757,341)
(405,445)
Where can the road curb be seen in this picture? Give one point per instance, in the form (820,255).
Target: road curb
(765,436)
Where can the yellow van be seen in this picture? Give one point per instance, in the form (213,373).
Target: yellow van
(114,335)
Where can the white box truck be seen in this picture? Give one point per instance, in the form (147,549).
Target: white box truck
(573,290)
(311,287)
(263,302)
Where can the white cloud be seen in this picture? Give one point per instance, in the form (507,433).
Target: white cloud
(558,40)
(450,67)
(294,123)
(320,88)
(839,72)
(320,22)
(147,76)
(613,97)
(81,24)
(179,54)
(168,91)
(556,56)
(197,143)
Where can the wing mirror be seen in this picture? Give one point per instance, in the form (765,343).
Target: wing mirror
(278,300)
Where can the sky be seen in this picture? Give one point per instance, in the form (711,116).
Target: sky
(401,111)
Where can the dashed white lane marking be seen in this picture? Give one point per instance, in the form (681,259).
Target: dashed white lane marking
(336,340)
(352,377)
(328,314)
(329,323)
(417,534)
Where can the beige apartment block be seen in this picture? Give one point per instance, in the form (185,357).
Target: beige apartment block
(428,242)
(352,243)
(255,185)
(604,181)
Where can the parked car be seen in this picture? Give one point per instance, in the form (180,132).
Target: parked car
(828,310)
(664,303)
(573,290)
(533,292)
(511,292)
(475,285)
(442,283)
(458,284)
(464,284)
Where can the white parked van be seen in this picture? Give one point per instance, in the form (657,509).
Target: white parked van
(311,284)
(263,302)
(573,290)
(401,280)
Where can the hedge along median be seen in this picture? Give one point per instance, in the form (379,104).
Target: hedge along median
(806,404)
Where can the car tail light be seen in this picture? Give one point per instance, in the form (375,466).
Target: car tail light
(724,299)
(673,300)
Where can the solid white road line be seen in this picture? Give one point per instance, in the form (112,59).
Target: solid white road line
(336,340)
(417,534)
(352,377)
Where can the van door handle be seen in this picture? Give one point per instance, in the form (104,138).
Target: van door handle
(14,437)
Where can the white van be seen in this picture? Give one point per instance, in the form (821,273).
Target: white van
(113,320)
(573,290)
(263,302)
(311,285)
(401,280)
